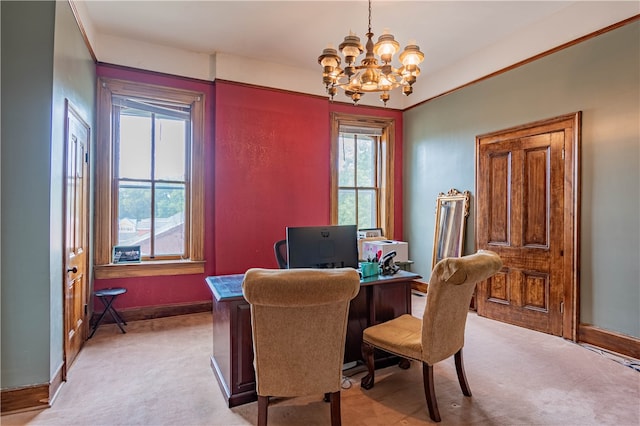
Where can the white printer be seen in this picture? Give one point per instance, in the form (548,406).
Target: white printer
(373,249)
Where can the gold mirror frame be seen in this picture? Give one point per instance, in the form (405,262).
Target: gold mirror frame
(452,210)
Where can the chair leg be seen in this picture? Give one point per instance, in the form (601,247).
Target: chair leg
(263,408)
(462,378)
(429,392)
(367,355)
(336,418)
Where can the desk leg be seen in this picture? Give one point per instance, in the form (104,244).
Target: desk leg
(357,322)
(232,359)
(375,304)
(388,302)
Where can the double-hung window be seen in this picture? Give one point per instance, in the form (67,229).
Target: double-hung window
(152,141)
(149,190)
(362,172)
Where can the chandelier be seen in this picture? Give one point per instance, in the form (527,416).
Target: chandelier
(370,76)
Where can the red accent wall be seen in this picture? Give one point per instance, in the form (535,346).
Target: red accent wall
(272,171)
(267,167)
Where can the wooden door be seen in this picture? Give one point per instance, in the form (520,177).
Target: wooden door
(525,213)
(76,234)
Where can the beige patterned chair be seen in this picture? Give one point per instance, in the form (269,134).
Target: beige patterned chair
(440,333)
(299,326)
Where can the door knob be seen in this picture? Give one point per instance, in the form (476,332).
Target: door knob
(74,270)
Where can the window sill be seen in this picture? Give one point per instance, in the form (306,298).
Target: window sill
(149,269)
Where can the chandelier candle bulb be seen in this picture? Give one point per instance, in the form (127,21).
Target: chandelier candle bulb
(386,47)
(411,55)
(374,73)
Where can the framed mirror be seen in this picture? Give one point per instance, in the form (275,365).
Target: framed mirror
(452,210)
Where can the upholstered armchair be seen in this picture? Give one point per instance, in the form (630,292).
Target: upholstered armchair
(440,332)
(299,325)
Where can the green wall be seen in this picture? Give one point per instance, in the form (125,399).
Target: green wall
(27,82)
(601,78)
(41,43)
(74,80)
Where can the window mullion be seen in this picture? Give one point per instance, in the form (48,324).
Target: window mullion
(355,175)
(152,225)
(188,137)
(378,178)
(115,178)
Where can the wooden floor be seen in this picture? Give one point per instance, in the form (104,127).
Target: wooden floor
(159,374)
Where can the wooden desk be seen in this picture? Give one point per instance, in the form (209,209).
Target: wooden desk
(380,299)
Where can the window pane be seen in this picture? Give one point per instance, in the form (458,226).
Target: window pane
(346,207)
(169,221)
(346,160)
(170,149)
(134,156)
(366,161)
(367,208)
(134,214)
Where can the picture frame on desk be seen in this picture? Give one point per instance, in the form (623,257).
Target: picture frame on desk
(126,254)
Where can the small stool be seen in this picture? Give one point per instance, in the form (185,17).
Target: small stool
(107,297)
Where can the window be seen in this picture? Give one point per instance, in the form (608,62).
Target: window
(358,179)
(149,189)
(362,172)
(151,146)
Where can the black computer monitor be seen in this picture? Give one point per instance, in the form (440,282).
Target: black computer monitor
(322,246)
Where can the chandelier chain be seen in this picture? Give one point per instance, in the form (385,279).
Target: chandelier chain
(369,16)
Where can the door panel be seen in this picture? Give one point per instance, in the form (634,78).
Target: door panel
(536,197)
(499,165)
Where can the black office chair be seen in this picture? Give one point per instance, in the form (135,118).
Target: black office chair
(280,249)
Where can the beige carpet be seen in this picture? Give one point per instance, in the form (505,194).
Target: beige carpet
(159,374)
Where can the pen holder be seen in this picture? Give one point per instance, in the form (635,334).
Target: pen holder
(369,269)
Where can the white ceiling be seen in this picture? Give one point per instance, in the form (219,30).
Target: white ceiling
(461,40)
